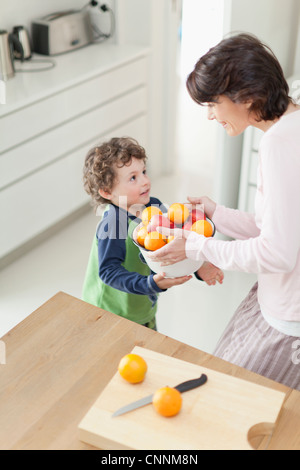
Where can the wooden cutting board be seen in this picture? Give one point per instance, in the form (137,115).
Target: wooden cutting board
(218,415)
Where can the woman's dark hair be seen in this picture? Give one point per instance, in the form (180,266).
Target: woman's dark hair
(244,69)
(100,165)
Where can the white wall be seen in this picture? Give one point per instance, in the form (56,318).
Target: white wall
(134,21)
(276,23)
(135,25)
(18,12)
(196,137)
(273,21)
(155,23)
(22,12)
(297,55)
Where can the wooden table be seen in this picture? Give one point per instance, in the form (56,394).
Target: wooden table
(59,359)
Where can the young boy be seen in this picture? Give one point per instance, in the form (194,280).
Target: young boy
(117,279)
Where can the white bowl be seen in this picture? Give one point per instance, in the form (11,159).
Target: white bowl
(182,268)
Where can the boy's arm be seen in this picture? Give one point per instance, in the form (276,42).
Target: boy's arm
(111,255)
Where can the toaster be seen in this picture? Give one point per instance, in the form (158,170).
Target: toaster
(62,32)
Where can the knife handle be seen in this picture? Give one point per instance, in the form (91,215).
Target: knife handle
(190,384)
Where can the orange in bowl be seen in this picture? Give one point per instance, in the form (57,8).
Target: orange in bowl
(141,235)
(203,227)
(178,213)
(149,212)
(154,240)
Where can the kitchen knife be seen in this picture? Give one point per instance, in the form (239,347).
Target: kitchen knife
(183,387)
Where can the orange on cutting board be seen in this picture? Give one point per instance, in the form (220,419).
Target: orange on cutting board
(133,368)
(154,240)
(178,213)
(148,212)
(141,235)
(167,401)
(202,227)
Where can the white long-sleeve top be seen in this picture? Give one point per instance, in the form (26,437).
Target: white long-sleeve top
(267,243)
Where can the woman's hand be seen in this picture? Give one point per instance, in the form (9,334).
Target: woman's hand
(166,282)
(209,204)
(210,274)
(173,251)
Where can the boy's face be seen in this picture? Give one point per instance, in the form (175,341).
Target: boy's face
(132,183)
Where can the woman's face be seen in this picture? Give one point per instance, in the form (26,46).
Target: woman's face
(234,117)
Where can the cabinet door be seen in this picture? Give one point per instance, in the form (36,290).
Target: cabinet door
(35,154)
(51,112)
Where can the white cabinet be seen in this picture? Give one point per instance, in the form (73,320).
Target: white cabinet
(49,123)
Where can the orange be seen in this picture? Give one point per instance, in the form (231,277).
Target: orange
(154,241)
(148,212)
(170,238)
(178,213)
(167,401)
(141,235)
(133,368)
(202,227)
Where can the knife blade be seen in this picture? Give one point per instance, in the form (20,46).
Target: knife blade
(182,387)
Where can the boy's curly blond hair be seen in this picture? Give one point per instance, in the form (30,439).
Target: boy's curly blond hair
(101,162)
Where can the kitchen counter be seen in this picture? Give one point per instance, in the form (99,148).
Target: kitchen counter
(60,358)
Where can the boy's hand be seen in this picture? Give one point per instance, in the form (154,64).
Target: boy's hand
(167,282)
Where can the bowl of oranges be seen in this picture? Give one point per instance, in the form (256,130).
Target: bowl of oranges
(148,239)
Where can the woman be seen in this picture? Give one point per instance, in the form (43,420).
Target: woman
(242,83)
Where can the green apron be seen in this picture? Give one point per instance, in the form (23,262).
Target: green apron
(134,307)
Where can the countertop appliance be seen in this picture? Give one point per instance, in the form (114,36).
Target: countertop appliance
(8,43)
(20,32)
(62,32)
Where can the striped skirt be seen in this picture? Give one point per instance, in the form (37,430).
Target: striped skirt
(250,342)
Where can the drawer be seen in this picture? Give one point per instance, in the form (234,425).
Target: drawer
(40,200)
(37,118)
(32,155)
(44,198)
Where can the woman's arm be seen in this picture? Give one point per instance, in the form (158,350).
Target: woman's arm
(231,222)
(235,223)
(276,248)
